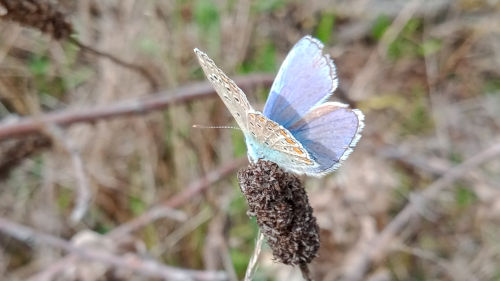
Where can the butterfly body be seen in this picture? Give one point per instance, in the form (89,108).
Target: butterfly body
(298,130)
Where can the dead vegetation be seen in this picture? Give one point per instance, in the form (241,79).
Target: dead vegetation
(144,196)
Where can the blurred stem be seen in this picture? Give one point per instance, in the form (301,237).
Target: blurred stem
(252,264)
(137,68)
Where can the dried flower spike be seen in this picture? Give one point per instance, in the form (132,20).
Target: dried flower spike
(39,14)
(279,202)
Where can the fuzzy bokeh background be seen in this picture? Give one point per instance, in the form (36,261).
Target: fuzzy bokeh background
(425,73)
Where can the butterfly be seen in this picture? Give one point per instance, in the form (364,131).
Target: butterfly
(298,129)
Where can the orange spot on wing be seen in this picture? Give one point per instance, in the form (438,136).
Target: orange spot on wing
(298,150)
(289,141)
(283,133)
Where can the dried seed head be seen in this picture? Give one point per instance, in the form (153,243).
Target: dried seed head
(280,203)
(39,14)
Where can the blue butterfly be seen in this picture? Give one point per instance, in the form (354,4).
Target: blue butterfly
(298,130)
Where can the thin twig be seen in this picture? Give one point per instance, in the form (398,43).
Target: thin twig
(159,101)
(137,68)
(377,248)
(129,262)
(252,264)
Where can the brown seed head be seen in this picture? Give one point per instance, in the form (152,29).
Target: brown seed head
(279,202)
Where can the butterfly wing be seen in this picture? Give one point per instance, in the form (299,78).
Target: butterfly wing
(329,132)
(270,141)
(306,79)
(232,96)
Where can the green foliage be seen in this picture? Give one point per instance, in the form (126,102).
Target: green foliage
(429,47)
(266,6)
(137,205)
(245,229)
(416,119)
(492,87)
(207,18)
(496,276)
(405,185)
(39,65)
(264,59)
(239,146)
(406,44)
(380,26)
(149,46)
(48,83)
(77,77)
(325,27)
(464,196)
(45,83)
(456,157)
(206,15)
(64,198)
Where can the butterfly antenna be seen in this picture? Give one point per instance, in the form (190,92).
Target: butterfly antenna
(215,127)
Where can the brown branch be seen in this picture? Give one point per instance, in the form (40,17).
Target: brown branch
(159,101)
(129,262)
(377,248)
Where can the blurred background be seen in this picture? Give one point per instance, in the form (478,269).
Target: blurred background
(147,196)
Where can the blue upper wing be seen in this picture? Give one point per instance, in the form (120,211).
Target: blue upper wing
(329,132)
(306,79)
